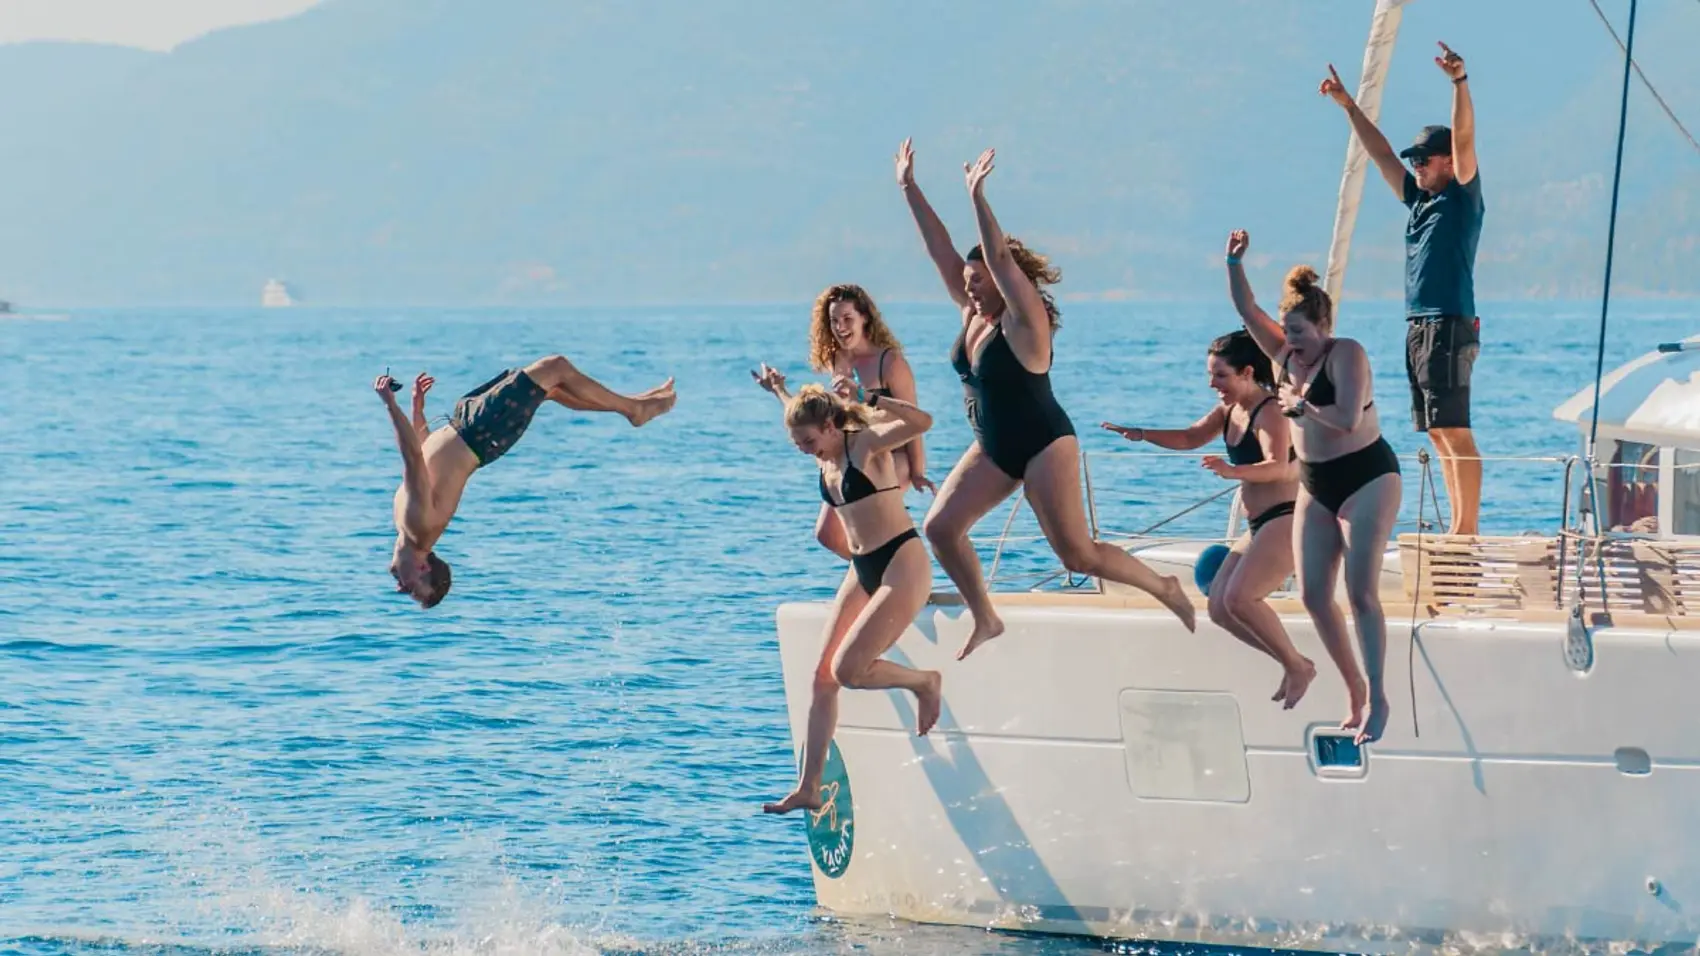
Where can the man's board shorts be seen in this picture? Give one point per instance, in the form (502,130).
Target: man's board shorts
(491,417)
(1440,353)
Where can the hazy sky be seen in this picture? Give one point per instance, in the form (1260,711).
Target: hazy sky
(155,24)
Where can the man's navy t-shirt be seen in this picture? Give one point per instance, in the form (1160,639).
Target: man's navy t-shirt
(1440,248)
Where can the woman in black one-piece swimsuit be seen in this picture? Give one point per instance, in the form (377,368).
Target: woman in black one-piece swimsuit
(1023,438)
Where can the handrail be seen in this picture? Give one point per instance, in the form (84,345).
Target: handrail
(1100,533)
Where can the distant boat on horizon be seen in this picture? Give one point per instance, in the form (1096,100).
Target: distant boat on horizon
(5,307)
(275,295)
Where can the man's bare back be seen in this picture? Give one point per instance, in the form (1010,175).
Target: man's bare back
(485,425)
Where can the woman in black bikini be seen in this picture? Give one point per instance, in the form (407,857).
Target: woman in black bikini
(1022,437)
(1261,460)
(889,578)
(849,338)
(1349,476)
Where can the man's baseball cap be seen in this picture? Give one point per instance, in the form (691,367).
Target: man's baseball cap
(1432,141)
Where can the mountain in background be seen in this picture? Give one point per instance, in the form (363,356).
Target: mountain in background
(657,151)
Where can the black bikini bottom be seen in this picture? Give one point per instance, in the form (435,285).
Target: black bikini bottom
(870,567)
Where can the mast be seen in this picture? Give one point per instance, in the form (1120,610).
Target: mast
(1378,56)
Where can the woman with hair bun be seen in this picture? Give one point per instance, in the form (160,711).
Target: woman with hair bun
(1261,460)
(890,577)
(1348,474)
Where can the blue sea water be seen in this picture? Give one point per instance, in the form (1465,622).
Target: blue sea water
(220,729)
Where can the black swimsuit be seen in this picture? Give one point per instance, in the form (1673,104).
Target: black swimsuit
(1249,451)
(853,486)
(882,391)
(1333,481)
(1012,411)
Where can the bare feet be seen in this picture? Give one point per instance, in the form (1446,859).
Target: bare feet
(928,702)
(1359,694)
(1174,598)
(1281,691)
(1376,724)
(984,630)
(656,401)
(802,798)
(1296,683)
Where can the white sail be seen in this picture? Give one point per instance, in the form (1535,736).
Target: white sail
(1378,56)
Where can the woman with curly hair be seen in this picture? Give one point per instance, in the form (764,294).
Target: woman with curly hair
(1023,440)
(849,338)
(890,577)
(1349,482)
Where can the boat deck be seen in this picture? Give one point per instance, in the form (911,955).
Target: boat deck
(1644,583)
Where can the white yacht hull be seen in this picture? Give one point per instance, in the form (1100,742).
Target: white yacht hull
(1100,771)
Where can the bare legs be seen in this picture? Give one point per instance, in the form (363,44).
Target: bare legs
(976,486)
(1461,470)
(1359,536)
(1319,547)
(862,629)
(574,389)
(973,488)
(1257,566)
(1367,519)
(1053,489)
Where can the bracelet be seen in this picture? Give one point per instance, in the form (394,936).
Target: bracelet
(1232,260)
(1460,79)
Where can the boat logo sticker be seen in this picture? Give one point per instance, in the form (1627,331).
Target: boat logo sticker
(832,835)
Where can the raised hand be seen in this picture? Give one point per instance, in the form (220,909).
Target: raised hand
(1334,89)
(1238,242)
(386,388)
(906,164)
(421,385)
(1450,63)
(977,171)
(769,378)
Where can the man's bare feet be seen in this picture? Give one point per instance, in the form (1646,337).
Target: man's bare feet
(656,401)
(1376,724)
(929,700)
(1174,598)
(802,798)
(1294,685)
(985,628)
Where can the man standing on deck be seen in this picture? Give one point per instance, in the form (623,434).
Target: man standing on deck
(1442,337)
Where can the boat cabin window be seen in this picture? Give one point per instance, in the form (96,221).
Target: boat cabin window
(1632,488)
(1685,491)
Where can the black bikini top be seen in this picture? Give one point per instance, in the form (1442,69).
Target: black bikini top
(1248,450)
(1321,390)
(853,485)
(882,391)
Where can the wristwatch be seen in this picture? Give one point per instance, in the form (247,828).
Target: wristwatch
(1298,409)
